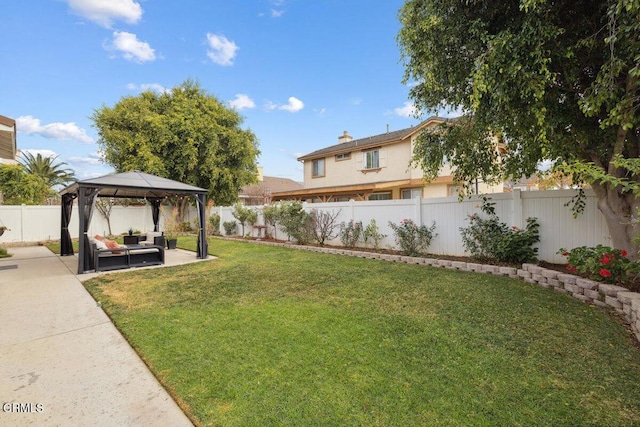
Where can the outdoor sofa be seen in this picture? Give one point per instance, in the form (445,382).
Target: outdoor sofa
(127,256)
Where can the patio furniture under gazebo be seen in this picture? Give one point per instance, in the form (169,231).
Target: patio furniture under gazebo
(134,185)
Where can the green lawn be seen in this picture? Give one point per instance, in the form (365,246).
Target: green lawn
(277,336)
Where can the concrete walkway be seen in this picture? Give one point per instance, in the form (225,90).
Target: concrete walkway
(62,361)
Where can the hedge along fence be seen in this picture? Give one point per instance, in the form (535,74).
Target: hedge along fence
(558,227)
(601,295)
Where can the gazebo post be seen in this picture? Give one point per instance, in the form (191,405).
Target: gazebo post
(202,231)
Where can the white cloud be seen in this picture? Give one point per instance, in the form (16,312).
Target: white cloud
(105,12)
(276,13)
(132,49)
(154,87)
(407,110)
(241,102)
(320,111)
(92,159)
(60,131)
(293,106)
(44,153)
(222,50)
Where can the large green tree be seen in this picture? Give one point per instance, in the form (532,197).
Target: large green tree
(551,80)
(19,187)
(186,135)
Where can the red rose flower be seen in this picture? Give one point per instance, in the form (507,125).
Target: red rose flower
(605,259)
(571,267)
(623,253)
(605,273)
(565,253)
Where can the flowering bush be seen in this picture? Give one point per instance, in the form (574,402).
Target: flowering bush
(488,239)
(373,232)
(351,233)
(413,240)
(600,263)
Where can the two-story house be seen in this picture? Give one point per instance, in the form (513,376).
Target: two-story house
(373,168)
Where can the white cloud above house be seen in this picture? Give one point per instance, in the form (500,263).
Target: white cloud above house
(106,12)
(154,87)
(59,131)
(407,110)
(221,50)
(241,102)
(131,49)
(294,105)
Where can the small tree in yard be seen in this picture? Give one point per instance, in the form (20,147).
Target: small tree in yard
(323,225)
(295,221)
(104,206)
(245,216)
(270,214)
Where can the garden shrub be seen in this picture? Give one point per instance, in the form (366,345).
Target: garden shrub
(229,227)
(351,233)
(488,239)
(214,224)
(245,216)
(601,263)
(271,214)
(322,225)
(295,222)
(373,232)
(413,239)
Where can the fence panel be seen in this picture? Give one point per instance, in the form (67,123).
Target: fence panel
(558,228)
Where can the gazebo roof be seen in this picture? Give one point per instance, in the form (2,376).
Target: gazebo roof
(135,185)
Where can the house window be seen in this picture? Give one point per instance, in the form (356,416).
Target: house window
(343,156)
(371,159)
(380,196)
(412,193)
(318,168)
(455,190)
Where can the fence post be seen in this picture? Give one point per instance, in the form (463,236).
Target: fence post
(516,209)
(22,214)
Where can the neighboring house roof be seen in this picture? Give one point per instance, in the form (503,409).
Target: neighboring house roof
(371,141)
(270,185)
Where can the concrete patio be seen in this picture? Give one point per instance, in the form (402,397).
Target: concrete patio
(62,361)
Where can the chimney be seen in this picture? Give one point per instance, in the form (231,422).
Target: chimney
(345,137)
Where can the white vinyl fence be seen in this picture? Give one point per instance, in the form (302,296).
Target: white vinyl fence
(28,224)
(558,228)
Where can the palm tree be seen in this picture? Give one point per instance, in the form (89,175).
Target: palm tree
(44,167)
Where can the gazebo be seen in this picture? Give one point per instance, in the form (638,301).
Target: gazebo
(133,185)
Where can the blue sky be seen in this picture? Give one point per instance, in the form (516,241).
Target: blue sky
(300,72)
